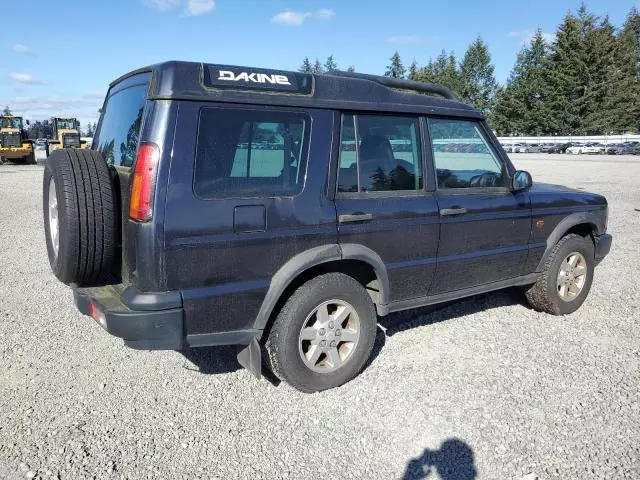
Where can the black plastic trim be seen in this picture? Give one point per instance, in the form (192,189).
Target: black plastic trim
(159,330)
(150,301)
(235,337)
(603,246)
(458,294)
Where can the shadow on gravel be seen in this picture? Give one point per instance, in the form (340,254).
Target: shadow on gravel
(453,461)
(213,360)
(401,321)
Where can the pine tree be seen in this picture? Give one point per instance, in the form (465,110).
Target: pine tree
(306,66)
(443,70)
(413,71)
(317,67)
(624,100)
(523,106)
(396,68)
(330,64)
(479,86)
(7,111)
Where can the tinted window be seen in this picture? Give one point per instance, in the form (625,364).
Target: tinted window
(463,158)
(379,153)
(119,132)
(249,153)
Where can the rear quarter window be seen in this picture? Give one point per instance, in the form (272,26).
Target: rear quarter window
(250,153)
(119,132)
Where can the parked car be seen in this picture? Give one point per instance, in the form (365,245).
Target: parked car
(616,149)
(192,235)
(548,148)
(631,148)
(586,148)
(40,144)
(527,148)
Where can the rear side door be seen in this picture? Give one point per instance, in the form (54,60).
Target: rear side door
(382,201)
(484,226)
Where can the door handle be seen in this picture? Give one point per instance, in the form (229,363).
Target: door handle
(355,217)
(453,211)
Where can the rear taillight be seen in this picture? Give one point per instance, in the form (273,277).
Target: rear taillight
(143,183)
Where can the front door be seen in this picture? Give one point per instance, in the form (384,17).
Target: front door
(485,227)
(382,201)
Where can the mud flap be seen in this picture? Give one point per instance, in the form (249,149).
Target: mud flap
(250,358)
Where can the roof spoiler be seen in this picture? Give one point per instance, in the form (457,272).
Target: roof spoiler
(392,82)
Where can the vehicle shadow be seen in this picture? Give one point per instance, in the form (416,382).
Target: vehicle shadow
(452,461)
(213,360)
(222,359)
(401,321)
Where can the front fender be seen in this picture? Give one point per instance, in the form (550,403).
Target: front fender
(595,219)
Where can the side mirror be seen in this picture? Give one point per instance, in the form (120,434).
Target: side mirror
(521,180)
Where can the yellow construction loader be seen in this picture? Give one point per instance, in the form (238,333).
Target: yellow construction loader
(14,141)
(66,134)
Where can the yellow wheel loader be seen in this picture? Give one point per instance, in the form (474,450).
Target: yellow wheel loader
(66,134)
(15,144)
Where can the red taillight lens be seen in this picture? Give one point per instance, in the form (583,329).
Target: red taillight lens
(143,183)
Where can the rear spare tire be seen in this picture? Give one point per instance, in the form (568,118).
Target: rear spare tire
(80,216)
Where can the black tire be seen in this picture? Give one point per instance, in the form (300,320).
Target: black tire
(543,295)
(87,217)
(282,343)
(31,158)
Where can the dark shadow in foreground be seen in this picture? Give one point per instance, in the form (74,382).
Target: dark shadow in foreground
(405,320)
(453,461)
(213,360)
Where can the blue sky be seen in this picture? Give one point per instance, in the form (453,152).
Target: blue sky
(63,62)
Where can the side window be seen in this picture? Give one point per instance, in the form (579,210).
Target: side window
(120,126)
(380,153)
(249,153)
(463,157)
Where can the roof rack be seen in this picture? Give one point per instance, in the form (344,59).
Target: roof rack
(392,82)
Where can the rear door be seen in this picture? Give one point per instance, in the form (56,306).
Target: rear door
(485,227)
(382,200)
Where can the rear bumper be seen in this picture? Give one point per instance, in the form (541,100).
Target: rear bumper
(603,246)
(148,321)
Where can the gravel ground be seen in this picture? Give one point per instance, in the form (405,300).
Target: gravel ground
(484,386)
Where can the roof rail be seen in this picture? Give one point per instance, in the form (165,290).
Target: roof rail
(392,82)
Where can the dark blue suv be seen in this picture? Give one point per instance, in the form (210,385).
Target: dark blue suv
(284,212)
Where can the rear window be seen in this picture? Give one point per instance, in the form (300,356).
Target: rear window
(119,132)
(250,153)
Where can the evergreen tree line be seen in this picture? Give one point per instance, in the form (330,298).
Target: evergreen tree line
(586,81)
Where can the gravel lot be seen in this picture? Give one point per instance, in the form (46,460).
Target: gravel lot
(483,386)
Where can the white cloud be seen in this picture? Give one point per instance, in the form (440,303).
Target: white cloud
(84,108)
(289,17)
(20,48)
(192,8)
(404,39)
(162,5)
(199,7)
(526,35)
(25,78)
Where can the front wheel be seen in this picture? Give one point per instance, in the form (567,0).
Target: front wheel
(324,333)
(566,277)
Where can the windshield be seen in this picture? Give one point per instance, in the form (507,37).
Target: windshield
(66,123)
(11,122)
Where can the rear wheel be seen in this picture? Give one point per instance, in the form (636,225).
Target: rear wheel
(31,158)
(324,334)
(566,278)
